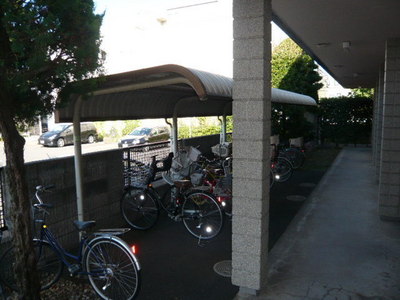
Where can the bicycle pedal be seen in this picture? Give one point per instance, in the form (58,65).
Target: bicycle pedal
(74,269)
(177,218)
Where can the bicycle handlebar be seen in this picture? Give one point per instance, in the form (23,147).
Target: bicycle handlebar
(40,189)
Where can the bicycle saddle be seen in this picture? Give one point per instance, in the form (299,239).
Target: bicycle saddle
(82,225)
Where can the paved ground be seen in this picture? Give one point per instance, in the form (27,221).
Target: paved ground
(337,248)
(176,267)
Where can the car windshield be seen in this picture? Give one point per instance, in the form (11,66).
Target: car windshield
(60,127)
(141,131)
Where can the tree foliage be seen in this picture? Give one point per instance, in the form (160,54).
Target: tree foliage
(346,120)
(44,44)
(293,70)
(361,92)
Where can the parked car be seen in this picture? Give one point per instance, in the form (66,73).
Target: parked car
(62,134)
(144,135)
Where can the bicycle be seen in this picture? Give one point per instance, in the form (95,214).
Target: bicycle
(109,263)
(216,176)
(294,154)
(281,167)
(141,204)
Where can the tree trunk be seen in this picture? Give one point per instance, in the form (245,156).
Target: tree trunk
(25,265)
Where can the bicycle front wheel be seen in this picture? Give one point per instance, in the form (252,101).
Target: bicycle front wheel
(202,215)
(139,208)
(112,269)
(49,266)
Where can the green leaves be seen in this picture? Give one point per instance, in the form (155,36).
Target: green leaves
(346,120)
(50,43)
(293,70)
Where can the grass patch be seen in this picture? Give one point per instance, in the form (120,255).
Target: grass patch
(320,158)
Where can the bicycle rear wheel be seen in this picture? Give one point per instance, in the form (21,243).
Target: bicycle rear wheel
(112,269)
(296,157)
(139,208)
(202,215)
(49,266)
(282,169)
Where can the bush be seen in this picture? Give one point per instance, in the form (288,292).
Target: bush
(346,120)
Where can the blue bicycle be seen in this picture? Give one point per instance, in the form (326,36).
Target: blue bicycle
(109,263)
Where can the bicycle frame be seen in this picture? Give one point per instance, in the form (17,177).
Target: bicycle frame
(47,236)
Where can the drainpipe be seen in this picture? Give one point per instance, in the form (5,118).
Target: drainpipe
(222,136)
(171,126)
(78,157)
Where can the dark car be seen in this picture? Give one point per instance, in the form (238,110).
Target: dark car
(62,134)
(143,135)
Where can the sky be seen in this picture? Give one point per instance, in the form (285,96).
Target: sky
(146,33)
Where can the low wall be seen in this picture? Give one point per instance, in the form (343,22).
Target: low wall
(102,188)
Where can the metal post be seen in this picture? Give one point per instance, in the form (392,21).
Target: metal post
(78,158)
(175,133)
(222,138)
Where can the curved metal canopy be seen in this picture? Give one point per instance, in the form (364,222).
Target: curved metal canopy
(162,92)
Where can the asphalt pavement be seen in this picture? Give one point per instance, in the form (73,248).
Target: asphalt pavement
(176,267)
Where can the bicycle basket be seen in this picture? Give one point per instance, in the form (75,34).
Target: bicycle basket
(140,175)
(197,178)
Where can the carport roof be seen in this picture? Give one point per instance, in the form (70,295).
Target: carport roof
(161,92)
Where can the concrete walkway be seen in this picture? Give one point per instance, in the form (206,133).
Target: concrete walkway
(337,248)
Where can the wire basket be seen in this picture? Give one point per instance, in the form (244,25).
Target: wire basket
(140,175)
(224,186)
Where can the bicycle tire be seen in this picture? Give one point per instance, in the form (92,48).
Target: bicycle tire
(112,269)
(49,265)
(282,169)
(202,215)
(296,157)
(139,208)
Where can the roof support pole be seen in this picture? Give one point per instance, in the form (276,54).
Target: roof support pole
(78,157)
(175,133)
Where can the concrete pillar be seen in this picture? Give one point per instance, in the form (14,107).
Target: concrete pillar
(378,121)
(389,184)
(251,147)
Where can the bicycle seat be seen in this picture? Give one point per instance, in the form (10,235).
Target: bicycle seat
(82,225)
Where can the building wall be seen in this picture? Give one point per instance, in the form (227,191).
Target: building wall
(389,183)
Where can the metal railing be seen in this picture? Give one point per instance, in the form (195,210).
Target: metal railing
(136,157)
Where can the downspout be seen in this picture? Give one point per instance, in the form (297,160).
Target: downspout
(171,126)
(78,157)
(222,136)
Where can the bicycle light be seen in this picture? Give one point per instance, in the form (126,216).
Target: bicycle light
(133,249)
(277,177)
(208,229)
(142,197)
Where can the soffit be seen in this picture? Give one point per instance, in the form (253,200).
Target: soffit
(321,27)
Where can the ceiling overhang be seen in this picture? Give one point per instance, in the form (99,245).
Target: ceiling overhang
(346,37)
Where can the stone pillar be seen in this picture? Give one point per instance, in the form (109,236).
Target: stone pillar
(378,122)
(389,187)
(251,146)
